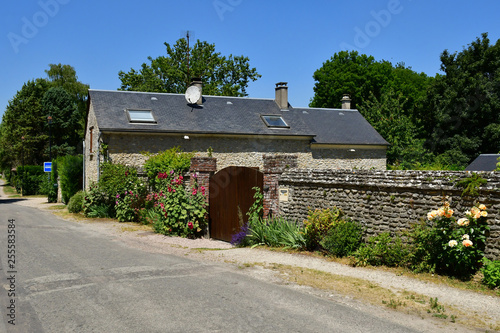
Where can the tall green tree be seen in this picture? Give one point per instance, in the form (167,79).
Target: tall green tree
(358,75)
(392,98)
(465,103)
(388,116)
(61,96)
(64,76)
(363,78)
(64,127)
(221,75)
(25,118)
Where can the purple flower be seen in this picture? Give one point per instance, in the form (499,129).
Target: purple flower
(238,238)
(117,196)
(117,203)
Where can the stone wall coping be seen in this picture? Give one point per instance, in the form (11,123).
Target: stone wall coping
(433,180)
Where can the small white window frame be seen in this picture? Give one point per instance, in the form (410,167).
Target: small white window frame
(131,120)
(263,117)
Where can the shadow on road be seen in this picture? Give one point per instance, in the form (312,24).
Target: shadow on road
(4,200)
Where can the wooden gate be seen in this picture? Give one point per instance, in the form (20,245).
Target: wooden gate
(231,196)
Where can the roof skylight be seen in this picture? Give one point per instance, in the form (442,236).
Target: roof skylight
(140,116)
(275,121)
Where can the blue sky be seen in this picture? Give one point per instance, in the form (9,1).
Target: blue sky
(285,40)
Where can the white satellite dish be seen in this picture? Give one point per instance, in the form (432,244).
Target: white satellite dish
(193,94)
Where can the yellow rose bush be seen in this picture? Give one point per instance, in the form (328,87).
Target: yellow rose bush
(449,245)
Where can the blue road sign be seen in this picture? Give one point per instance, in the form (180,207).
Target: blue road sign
(47,166)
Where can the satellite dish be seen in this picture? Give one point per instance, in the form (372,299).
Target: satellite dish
(193,94)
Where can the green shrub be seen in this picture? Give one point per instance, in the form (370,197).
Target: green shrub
(343,238)
(45,184)
(29,178)
(318,223)
(422,248)
(93,198)
(101,210)
(382,250)
(7,175)
(53,187)
(172,159)
(116,179)
(491,272)
(75,204)
(275,232)
(148,216)
(70,170)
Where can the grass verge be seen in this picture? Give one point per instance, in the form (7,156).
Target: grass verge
(369,292)
(474,284)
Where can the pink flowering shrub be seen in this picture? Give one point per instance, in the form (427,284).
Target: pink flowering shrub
(129,203)
(179,212)
(449,245)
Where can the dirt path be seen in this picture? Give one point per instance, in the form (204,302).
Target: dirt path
(470,304)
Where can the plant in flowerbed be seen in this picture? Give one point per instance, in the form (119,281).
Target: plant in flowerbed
(119,193)
(275,232)
(272,231)
(171,159)
(129,203)
(318,223)
(381,250)
(343,238)
(94,203)
(179,212)
(448,245)
(491,273)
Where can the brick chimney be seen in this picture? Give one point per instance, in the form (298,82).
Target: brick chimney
(282,95)
(346,102)
(196,81)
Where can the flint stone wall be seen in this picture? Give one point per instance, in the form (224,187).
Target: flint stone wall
(388,200)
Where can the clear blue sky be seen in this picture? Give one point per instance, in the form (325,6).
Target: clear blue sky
(285,40)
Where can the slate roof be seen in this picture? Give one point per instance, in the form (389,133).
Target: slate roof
(229,115)
(337,126)
(484,162)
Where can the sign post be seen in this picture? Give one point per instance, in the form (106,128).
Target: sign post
(47,166)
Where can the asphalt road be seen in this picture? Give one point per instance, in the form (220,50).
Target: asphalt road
(67,277)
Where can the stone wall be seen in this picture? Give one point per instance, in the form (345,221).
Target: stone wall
(386,200)
(91,148)
(239,151)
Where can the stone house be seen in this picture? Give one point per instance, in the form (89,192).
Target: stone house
(237,130)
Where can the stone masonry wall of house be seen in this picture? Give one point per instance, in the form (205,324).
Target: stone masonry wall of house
(236,151)
(91,142)
(387,200)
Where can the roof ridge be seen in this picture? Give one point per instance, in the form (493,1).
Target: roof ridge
(324,109)
(178,94)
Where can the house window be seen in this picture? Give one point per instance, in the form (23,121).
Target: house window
(140,116)
(91,134)
(275,121)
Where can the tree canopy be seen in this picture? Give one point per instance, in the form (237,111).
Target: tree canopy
(390,97)
(465,103)
(221,75)
(448,119)
(60,96)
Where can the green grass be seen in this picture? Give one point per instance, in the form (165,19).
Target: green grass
(10,191)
